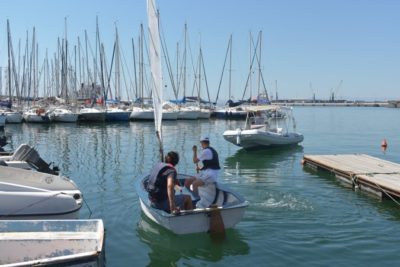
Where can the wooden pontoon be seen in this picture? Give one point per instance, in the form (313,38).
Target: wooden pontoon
(364,172)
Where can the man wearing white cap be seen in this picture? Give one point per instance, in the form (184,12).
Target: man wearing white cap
(204,183)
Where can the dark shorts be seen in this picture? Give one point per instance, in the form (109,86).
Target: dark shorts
(164,205)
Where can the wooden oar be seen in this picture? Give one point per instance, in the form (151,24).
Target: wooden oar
(217,227)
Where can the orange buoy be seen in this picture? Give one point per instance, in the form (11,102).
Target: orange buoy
(384,143)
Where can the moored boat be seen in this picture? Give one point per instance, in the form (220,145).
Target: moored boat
(260,131)
(36,115)
(92,115)
(29,194)
(52,243)
(13,116)
(62,115)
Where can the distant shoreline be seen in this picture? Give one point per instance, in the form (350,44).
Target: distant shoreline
(343,103)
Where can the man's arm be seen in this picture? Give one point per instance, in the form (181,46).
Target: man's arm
(195,159)
(171,192)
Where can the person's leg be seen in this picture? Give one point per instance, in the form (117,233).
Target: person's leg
(189,181)
(184,202)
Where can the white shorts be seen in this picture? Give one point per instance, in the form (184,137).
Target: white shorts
(207,195)
(208,176)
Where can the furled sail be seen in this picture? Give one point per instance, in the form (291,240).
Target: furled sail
(155,66)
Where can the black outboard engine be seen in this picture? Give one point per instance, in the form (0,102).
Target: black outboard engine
(26,153)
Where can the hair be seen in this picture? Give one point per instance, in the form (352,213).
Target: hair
(173,157)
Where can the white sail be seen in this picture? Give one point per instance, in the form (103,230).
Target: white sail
(155,64)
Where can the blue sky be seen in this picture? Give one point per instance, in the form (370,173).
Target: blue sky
(321,42)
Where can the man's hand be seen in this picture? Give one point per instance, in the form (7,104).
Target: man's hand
(194,148)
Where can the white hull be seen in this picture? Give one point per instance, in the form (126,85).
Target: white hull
(196,221)
(13,117)
(188,114)
(52,243)
(142,114)
(28,194)
(169,115)
(63,115)
(32,116)
(204,114)
(260,138)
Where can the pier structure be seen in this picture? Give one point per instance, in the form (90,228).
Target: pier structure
(363,172)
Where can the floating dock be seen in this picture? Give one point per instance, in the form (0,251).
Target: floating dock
(364,172)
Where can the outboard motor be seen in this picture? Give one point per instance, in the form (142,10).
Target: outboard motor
(26,153)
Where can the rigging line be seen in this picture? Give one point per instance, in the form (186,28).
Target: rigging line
(223,70)
(87,205)
(30,205)
(251,67)
(205,76)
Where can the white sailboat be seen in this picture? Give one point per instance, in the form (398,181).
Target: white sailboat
(92,115)
(260,131)
(13,116)
(36,115)
(230,205)
(62,115)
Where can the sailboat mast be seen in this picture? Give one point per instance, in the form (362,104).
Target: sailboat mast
(9,63)
(230,68)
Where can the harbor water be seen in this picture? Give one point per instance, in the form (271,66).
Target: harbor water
(296,216)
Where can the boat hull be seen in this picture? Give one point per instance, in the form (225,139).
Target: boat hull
(13,117)
(197,220)
(142,115)
(28,194)
(52,243)
(95,116)
(118,115)
(33,118)
(261,138)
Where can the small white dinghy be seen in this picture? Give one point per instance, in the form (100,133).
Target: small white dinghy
(230,204)
(261,131)
(52,243)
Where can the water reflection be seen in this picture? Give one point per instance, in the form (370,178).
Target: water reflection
(258,160)
(167,249)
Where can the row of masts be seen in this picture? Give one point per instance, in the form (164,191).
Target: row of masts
(76,72)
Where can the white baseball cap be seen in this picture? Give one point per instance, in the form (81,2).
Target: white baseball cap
(204,138)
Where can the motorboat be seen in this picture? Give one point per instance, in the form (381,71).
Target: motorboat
(260,131)
(26,157)
(62,115)
(28,194)
(36,115)
(230,204)
(52,243)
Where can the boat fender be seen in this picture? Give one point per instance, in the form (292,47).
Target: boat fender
(239,132)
